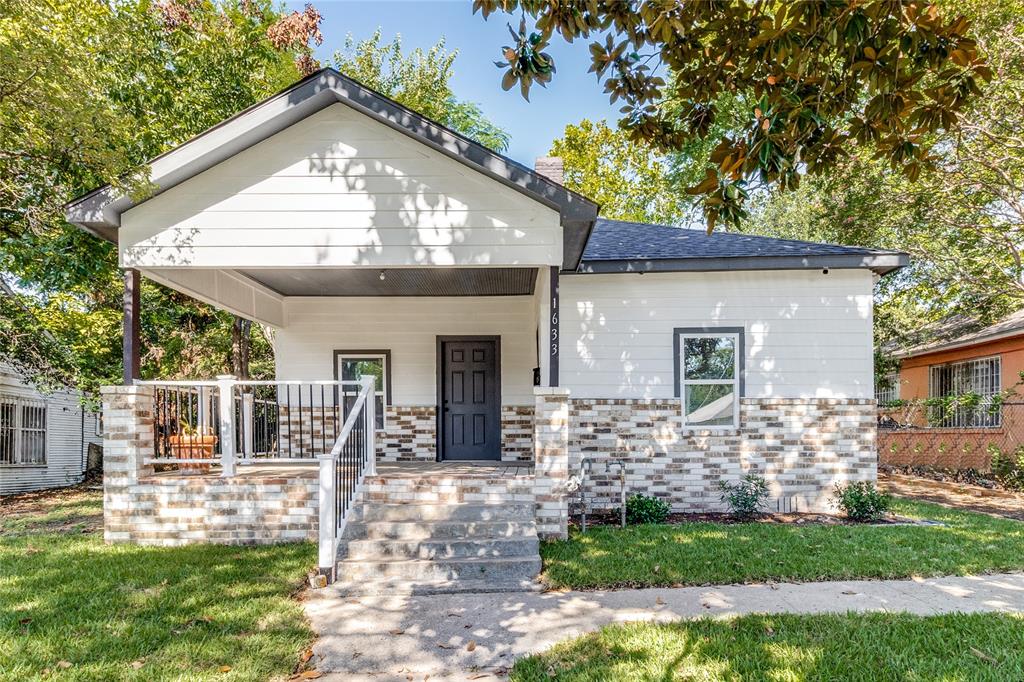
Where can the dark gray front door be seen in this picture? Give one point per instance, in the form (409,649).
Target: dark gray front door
(470,399)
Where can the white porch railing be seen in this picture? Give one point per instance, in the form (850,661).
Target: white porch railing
(243,422)
(352,458)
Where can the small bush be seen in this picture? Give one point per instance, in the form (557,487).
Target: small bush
(861,500)
(746,499)
(646,509)
(1008,469)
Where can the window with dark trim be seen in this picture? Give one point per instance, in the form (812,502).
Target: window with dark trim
(352,365)
(709,375)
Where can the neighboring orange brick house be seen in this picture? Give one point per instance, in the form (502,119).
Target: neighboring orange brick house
(963,359)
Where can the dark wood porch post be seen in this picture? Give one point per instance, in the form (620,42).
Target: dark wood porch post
(554,340)
(131,325)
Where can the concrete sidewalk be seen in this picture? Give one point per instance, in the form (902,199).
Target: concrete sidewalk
(479,636)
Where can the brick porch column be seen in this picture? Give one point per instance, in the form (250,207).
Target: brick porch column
(127,440)
(551,461)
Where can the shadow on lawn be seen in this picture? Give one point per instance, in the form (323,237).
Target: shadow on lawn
(68,597)
(823,647)
(706,553)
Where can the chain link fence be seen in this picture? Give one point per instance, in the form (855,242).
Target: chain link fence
(914,435)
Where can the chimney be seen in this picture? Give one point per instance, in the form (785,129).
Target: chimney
(550,167)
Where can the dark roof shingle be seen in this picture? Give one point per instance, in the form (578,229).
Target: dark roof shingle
(643,245)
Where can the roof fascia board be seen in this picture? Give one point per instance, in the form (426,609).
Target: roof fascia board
(957,345)
(880,263)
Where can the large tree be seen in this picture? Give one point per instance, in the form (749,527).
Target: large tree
(962,220)
(90,90)
(629,180)
(821,78)
(421,80)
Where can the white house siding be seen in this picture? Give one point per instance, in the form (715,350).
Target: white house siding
(67,439)
(339,189)
(408,327)
(807,334)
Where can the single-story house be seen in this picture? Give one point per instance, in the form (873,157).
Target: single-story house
(45,438)
(501,319)
(960,357)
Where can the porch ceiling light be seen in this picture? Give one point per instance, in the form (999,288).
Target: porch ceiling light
(382,275)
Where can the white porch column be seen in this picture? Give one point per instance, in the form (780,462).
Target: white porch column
(551,466)
(226,396)
(128,439)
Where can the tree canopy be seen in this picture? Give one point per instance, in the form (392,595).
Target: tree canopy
(91,90)
(822,78)
(962,221)
(420,80)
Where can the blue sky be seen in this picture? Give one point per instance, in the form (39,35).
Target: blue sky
(573,94)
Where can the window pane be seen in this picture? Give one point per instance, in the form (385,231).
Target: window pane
(709,404)
(354,368)
(709,358)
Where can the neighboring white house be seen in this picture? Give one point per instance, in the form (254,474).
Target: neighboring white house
(504,319)
(44,438)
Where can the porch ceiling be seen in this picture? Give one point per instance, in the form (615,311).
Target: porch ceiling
(398,281)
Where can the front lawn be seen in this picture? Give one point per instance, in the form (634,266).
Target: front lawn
(72,608)
(868,647)
(714,553)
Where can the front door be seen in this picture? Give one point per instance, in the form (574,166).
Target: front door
(470,409)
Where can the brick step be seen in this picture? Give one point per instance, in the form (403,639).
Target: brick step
(373,511)
(499,569)
(443,492)
(438,530)
(437,549)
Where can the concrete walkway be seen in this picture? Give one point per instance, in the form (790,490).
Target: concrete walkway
(479,636)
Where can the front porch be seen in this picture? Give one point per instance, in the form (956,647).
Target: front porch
(242,490)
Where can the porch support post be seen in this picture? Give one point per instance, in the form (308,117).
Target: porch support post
(370,382)
(554,342)
(130,348)
(226,426)
(128,440)
(551,482)
(328,552)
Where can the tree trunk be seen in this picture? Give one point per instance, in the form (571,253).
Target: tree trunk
(241,342)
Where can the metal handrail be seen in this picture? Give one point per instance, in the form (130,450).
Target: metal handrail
(342,473)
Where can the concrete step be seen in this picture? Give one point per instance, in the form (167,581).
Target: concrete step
(391,587)
(501,569)
(438,530)
(382,550)
(374,511)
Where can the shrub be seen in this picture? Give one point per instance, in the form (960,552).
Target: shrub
(861,500)
(747,497)
(646,509)
(1008,469)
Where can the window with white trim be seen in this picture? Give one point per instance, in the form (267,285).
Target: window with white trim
(22,430)
(708,373)
(979,376)
(352,366)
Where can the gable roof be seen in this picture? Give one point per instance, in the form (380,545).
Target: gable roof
(960,331)
(100,211)
(621,246)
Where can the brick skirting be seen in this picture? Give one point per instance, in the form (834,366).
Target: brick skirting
(801,446)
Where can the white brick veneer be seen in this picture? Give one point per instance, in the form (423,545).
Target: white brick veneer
(801,446)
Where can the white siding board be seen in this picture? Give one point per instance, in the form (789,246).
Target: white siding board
(226,290)
(66,439)
(806,334)
(334,190)
(408,327)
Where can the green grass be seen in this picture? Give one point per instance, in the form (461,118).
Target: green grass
(710,553)
(871,647)
(67,598)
